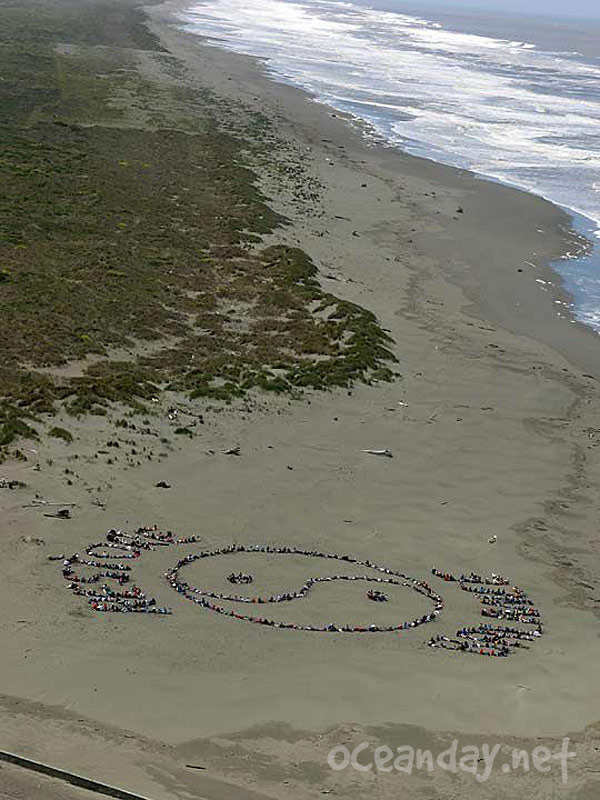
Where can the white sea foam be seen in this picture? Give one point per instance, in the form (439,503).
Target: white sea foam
(500,107)
(503,108)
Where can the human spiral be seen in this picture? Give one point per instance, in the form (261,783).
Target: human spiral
(505,608)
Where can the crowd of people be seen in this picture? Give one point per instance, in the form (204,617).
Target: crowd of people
(204,597)
(107,599)
(377,596)
(500,602)
(102,558)
(111,560)
(239,577)
(493,580)
(487,640)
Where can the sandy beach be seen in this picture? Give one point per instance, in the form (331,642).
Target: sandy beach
(492,425)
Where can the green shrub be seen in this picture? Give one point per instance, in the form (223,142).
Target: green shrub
(61,433)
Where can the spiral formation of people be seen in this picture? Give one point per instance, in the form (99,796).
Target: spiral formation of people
(112,560)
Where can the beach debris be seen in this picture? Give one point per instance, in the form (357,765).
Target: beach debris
(493,539)
(163,485)
(32,540)
(460,210)
(233,451)
(356,233)
(62,513)
(194,766)
(384,452)
(38,501)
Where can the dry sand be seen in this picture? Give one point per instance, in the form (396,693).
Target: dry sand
(493,430)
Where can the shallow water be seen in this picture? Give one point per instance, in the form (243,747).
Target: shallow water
(515,99)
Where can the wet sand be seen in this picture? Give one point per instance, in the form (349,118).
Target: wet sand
(492,426)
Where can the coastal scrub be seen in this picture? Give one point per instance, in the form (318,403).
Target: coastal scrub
(131,222)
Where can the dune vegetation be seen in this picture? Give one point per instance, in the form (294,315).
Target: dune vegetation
(118,230)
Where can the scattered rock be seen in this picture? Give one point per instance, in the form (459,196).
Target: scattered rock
(163,485)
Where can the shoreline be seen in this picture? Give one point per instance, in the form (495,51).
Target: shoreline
(493,433)
(490,293)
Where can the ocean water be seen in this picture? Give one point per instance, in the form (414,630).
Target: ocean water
(516,99)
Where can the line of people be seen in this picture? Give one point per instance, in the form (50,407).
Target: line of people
(493,580)
(200,596)
(129,546)
(107,559)
(511,604)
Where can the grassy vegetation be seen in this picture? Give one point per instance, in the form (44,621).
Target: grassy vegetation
(114,233)
(61,433)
